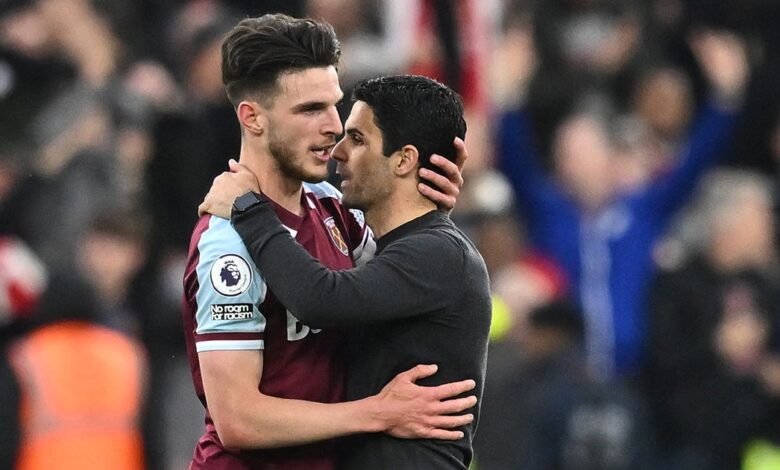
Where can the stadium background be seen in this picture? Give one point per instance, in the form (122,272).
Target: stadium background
(113,122)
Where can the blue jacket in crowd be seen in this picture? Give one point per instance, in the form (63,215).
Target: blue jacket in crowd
(607,254)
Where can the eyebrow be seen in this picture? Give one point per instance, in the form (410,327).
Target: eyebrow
(315,105)
(354,131)
(310,106)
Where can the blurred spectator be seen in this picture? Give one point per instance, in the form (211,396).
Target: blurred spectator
(199,135)
(601,236)
(64,56)
(715,325)
(664,99)
(376,35)
(548,412)
(71,389)
(111,254)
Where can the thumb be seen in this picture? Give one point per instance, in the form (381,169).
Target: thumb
(234,165)
(421,371)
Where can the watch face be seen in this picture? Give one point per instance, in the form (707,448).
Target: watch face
(245,201)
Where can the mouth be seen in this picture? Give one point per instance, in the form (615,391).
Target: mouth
(322,153)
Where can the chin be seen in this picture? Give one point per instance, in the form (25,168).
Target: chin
(351,203)
(313,175)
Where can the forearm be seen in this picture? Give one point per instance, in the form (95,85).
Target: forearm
(271,422)
(383,289)
(246,418)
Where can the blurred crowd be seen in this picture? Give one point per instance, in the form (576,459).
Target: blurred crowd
(621,187)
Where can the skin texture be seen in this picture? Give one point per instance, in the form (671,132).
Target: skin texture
(366,170)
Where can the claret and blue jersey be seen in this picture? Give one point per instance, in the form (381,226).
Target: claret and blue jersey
(229,307)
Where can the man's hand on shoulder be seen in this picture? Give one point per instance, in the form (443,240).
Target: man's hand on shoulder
(449,185)
(226,188)
(409,411)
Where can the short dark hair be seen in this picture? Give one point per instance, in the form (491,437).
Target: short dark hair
(415,110)
(257,50)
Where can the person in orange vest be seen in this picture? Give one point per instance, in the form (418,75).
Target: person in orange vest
(71,389)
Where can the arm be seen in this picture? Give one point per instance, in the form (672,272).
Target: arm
(706,146)
(404,281)
(724,63)
(519,162)
(246,418)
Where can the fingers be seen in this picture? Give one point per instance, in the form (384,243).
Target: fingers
(418,372)
(456,405)
(444,435)
(451,170)
(442,182)
(449,422)
(453,389)
(236,167)
(461,155)
(443,201)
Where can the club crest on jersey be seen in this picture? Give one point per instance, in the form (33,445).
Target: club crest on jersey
(231,275)
(335,235)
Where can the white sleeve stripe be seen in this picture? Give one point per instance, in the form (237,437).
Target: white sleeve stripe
(229,345)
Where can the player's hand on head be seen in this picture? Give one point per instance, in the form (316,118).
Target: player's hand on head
(226,188)
(411,411)
(450,183)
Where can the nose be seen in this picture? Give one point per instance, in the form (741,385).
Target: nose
(338,152)
(332,123)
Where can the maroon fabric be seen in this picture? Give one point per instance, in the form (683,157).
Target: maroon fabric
(295,365)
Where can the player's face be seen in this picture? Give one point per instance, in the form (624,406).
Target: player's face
(366,173)
(304,123)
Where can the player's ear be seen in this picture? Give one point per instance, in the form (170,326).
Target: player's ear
(252,117)
(408,160)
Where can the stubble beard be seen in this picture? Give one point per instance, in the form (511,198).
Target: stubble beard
(369,192)
(288,165)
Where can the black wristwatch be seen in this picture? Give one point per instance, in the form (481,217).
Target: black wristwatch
(246,201)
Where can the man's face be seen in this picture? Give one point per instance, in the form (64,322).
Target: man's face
(367,176)
(303,123)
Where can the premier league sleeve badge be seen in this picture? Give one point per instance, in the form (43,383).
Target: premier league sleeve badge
(231,275)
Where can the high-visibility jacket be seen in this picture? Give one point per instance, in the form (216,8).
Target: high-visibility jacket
(81,396)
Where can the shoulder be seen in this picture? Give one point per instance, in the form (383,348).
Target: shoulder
(325,191)
(213,233)
(217,252)
(322,190)
(440,243)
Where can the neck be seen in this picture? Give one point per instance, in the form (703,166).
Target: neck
(401,207)
(281,189)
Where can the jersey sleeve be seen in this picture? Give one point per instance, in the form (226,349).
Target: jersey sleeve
(405,281)
(229,292)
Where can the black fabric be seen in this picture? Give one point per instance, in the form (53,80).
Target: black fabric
(424,299)
(9,415)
